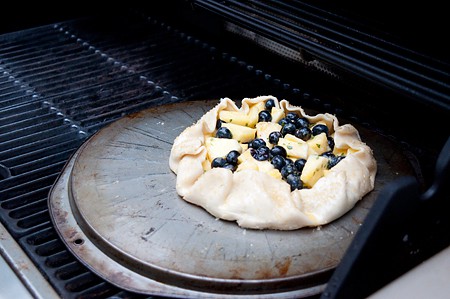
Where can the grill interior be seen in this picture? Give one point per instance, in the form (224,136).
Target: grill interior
(338,41)
(62,82)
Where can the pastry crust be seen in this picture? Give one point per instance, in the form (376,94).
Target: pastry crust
(256,200)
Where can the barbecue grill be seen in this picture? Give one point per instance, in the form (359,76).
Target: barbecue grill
(67,78)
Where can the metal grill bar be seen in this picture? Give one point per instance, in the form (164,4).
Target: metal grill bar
(13,149)
(49,248)
(49,158)
(20,188)
(11,102)
(32,221)
(37,136)
(44,126)
(17,113)
(91,123)
(24,211)
(26,47)
(42,237)
(24,199)
(59,259)
(12,93)
(26,122)
(17,160)
(102,95)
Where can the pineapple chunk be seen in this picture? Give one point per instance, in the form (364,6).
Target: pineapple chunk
(234,117)
(291,137)
(295,147)
(275,173)
(246,161)
(206,164)
(253,113)
(244,146)
(267,167)
(220,147)
(264,166)
(245,156)
(314,169)
(247,164)
(277,114)
(318,144)
(240,133)
(263,130)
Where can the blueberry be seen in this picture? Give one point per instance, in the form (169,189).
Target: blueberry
(303,133)
(261,154)
(256,143)
(288,169)
(278,162)
(301,122)
(294,181)
(274,137)
(232,157)
(263,150)
(219,123)
(278,150)
(288,128)
(317,129)
(299,164)
(334,160)
(269,104)
(218,162)
(328,154)
(292,116)
(224,132)
(282,122)
(264,116)
(229,166)
(289,161)
(330,142)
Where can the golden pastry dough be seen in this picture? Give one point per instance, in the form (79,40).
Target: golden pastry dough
(258,199)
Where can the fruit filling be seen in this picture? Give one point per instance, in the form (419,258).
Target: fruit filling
(286,146)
